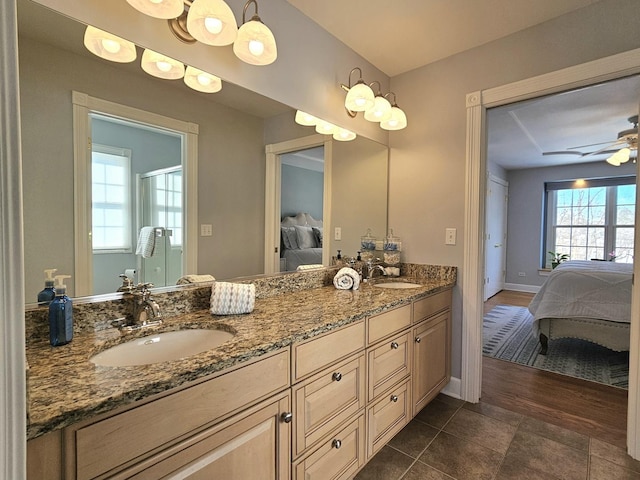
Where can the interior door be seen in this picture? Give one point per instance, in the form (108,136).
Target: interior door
(496,236)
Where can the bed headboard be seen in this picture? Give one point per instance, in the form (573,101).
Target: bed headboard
(301,219)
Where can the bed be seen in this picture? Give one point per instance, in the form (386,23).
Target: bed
(300,241)
(589,300)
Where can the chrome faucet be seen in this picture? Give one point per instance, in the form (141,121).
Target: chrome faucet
(144,311)
(372,267)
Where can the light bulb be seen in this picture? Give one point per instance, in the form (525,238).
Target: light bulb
(359,98)
(163,66)
(110,46)
(204,79)
(213,25)
(256,47)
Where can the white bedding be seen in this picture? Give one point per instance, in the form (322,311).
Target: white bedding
(586,290)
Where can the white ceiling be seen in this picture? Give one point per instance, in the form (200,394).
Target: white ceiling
(399,35)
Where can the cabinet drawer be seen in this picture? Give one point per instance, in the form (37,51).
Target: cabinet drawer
(107,444)
(426,307)
(326,400)
(320,352)
(339,457)
(388,363)
(388,416)
(387,323)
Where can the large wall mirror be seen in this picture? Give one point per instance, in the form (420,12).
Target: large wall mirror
(234,126)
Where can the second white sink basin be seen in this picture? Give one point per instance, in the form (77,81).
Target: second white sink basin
(397,285)
(161,347)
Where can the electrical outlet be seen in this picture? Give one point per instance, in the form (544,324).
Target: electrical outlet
(522,274)
(206,230)
(337,233)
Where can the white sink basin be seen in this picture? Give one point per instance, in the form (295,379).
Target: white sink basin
(397,285)
(161,347)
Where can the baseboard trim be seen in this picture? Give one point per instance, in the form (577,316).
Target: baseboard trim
(517,287)
(453,388)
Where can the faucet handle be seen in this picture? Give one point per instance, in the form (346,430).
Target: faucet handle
(127,284)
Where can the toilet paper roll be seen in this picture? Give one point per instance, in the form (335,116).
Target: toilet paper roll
(130,272)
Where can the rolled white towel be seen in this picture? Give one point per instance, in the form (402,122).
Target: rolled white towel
(232,298)
(186,279)
(346,278)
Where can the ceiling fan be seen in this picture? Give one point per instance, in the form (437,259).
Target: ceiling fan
(620,149)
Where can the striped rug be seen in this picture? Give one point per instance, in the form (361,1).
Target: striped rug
(507,335)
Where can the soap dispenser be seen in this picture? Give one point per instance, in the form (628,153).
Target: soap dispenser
(60,314)
(48,293)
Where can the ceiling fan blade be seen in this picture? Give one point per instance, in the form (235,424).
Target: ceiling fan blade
(562,152)
(606,149)
(591,145)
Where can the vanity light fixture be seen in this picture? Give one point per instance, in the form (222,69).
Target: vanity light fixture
(165,9)
(255,43)
(108,46)
(202,81)
(161,66)
(212,22)
(359,96)
(397,120)
(376,108)
(381,108)
(323,127)
(303,118)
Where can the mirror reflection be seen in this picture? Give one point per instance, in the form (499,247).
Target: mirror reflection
(233,127)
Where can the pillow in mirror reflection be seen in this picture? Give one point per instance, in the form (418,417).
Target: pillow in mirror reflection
(232,298)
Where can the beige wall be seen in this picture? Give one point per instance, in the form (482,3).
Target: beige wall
(428,158)
(231,164)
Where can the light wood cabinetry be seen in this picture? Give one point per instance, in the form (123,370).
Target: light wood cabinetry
(44,457)
(431,348)
(387,416)
(388,363)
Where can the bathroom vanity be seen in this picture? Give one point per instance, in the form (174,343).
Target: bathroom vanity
(313,383)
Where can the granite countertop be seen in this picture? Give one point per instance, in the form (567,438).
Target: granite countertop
(64,387)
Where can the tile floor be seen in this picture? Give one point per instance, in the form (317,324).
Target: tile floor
(453,440)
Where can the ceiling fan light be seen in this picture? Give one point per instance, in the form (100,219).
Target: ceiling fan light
(255,43)
(397,120)
(165,9)
(306,119)
(359,98)
(325,128)
(620,157)
(108,46)
(161,66)
(212,22)
(343,135)
(202,81)
(380,111)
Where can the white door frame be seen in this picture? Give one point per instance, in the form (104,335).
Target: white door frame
(608,68)
(83,105)
(272,195)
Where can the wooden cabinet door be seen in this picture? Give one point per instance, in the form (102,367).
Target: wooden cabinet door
(253,444)
(431,357)
(387,416)
(388,363)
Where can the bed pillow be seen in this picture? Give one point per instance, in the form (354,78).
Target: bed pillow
(317,232)
(306,238)
(289,238)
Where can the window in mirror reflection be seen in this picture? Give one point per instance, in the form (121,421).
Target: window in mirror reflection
(111,199)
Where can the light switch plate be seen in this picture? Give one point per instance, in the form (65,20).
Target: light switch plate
(206,230)
(337,234)
(450,236)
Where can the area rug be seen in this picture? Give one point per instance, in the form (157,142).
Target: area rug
(507,335)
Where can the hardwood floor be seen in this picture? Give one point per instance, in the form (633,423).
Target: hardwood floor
(589,408)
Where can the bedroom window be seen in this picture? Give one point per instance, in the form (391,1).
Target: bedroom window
(111,198)
(591,219)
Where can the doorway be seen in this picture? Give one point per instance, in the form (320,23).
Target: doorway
(609,68)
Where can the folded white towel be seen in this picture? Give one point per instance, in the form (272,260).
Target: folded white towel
(186,279)
(232,298)
(146,242)
(311,266)
(346,278)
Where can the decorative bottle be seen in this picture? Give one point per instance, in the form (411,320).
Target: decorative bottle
(60,315)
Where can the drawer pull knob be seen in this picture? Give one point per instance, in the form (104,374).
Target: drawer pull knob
(287,417)
(394,398)
(394,345)
(336,443)
(337,376)
(418,339)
